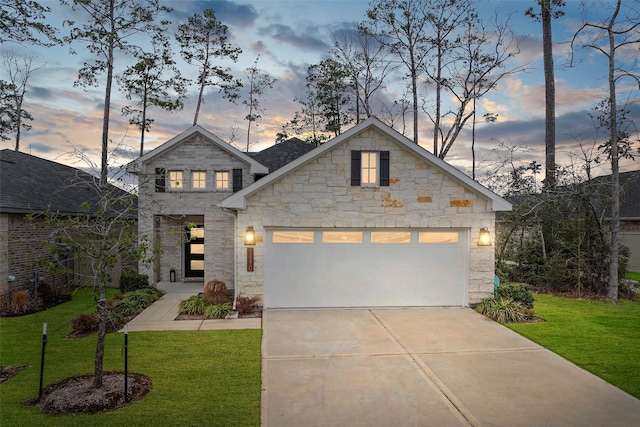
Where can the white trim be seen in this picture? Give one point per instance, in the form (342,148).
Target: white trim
(254,166)
(238,200)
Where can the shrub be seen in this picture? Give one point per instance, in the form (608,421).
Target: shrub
(518,292)
(193,305)
(127,307)
(114,320)
(217,311)
(85,323)
(131,282)
(216,292)
(20,302)
(140,299)
(502,310)
(246,305)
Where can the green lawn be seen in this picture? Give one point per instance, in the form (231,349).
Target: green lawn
(198,378)
(598,336)
(633,275)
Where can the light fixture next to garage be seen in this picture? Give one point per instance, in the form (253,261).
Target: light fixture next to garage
(484,239)
(249,236)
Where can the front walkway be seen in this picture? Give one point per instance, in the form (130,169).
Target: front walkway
(160,316)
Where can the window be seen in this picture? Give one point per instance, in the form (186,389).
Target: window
(438,237)
(370,168)
(293,237)
(342,237)
(390,237)
(222,180)
(175,179)
(369,173)
(198,179)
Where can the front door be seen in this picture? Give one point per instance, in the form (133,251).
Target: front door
(194,252)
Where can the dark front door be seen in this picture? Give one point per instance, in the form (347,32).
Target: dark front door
(194,252)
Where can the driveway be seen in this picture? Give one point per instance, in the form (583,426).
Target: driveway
(423,367)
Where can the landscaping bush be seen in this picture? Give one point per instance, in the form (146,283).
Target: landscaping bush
(115,321)
(502,310)
(217,311)
(126,307)
(518,292)
(85,323)
(216,292)
(246,305)
(131,282)
(193,305)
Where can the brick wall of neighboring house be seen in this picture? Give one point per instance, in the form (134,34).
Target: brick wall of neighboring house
(22,245)
(22,241)
(319,194)
(163,215)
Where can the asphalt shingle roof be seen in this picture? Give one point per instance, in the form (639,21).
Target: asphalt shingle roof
(281,154)
(30,184)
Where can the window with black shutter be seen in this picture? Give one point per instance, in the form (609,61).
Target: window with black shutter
(161,177)
(237,180)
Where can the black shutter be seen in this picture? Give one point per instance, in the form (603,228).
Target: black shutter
(161,176)
(384,168)
(356,164)
(237,180)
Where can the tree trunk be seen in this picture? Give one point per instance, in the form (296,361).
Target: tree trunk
(436,128)
(144,122)
(612,290)
(550,96)
(195,118)
(102,332)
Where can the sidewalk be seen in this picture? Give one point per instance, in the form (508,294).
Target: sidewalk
(160,315)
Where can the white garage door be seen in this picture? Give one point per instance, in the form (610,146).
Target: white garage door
(365,268)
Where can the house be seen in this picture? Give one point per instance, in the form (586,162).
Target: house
(367,219)
(29,186)
(630,216)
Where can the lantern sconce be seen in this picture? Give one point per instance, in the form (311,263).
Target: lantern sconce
(484,239)
(249,236)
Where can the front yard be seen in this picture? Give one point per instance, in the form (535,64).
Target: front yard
(198,377)
(598,336)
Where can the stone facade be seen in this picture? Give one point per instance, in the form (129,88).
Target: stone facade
(163,215)
(319,194)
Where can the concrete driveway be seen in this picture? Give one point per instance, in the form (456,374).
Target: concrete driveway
(423,367)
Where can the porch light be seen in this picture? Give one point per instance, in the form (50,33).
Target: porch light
(249,236)
(484,239)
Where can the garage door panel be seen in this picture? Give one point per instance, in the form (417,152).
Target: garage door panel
(365,274)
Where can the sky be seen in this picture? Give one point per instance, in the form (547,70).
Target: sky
(289,36)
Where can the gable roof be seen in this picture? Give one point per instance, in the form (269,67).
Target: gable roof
(30,184)
(238,200)
(283,153)
(255,167)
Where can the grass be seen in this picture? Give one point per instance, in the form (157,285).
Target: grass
(598,336)
(198,377)
(633,276)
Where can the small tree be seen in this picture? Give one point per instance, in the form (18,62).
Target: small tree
(203,39)
(258,82)
(153,81)
(101,233)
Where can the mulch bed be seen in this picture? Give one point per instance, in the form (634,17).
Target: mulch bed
(8,372)
(77,395)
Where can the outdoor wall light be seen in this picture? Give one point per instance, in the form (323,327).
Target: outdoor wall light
(249,236)
(484,239)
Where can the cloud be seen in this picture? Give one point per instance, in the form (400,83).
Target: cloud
(286,34)
(229,13)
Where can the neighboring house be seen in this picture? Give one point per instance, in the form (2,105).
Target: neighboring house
(630,216)
(367,219)
(29,186)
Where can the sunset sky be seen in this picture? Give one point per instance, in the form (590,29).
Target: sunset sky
(289,36)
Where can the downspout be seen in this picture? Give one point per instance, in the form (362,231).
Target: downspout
(234,214)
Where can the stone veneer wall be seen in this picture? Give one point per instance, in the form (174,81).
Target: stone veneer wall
(162,216)
(320,194)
